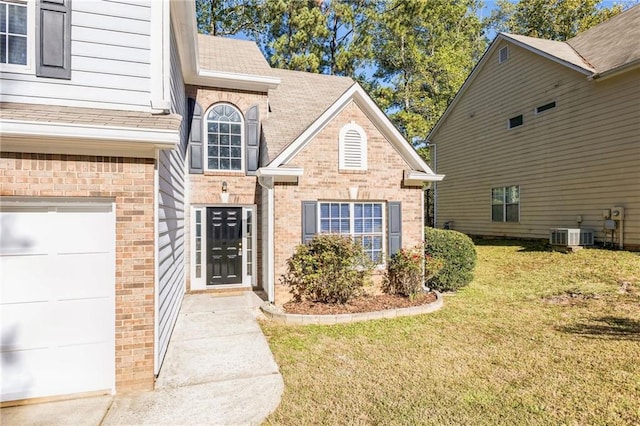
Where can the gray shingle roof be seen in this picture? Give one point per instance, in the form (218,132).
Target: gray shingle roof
(558,49)
(231,55)
(612,44)
(298,101)
(88,116)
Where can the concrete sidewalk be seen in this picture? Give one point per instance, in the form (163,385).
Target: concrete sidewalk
(218,370)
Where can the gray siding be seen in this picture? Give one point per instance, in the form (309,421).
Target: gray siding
(576,159)
(171,219)
(110,60)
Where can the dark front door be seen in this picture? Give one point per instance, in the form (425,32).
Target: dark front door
(224,245)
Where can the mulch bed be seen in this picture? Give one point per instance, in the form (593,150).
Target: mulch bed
(360,304)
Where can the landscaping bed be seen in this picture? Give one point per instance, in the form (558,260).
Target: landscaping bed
(360,304)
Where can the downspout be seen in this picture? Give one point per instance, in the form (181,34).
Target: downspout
(156,266)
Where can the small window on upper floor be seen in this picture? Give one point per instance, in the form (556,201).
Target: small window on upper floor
(516,121)
(13,33)
(545,107)
(225,134)
(352,148)
(503,54)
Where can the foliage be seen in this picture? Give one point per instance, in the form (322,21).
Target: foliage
(408,270)
(458,253)
(330,269)
(550,19)
(422,53)
(228,17)
(499,352)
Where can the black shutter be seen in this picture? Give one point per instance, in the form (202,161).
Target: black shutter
(252,138)
(195,138)
(309,220)
(395,227)
(53,39)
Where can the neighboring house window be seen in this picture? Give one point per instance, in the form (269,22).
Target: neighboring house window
(545,107)
(362,221)
(13,33)
(352,148)
(503,55)
(516,121)
(505,204)
(224,138)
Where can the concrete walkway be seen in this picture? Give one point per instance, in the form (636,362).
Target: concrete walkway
(218,370)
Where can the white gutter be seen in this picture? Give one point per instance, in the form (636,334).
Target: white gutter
(280,174)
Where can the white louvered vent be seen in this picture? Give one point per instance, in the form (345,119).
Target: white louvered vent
(353,148)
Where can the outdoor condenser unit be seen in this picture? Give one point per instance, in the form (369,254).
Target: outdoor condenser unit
(572,237)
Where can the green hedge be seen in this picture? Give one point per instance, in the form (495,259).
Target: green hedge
(458,253)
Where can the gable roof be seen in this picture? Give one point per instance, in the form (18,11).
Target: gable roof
(296,103)
(601,51)
(557,51)
(612,44)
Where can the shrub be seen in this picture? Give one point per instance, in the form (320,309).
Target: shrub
(330,269)
(458,254)
(407,270)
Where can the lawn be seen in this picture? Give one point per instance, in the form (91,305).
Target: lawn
(537,338)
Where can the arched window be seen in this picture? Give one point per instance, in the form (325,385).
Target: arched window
(225,137)
(353,148)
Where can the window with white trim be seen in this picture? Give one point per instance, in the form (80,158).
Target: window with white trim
(352,148)
(13,33)
(225,138)
(505,204)
(362,221)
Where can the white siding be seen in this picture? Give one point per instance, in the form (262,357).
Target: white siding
(171,220)
(110,60)
(576,159)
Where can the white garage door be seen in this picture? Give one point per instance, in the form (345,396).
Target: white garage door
(57,312)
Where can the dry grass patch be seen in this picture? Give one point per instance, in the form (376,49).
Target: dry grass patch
(498,352)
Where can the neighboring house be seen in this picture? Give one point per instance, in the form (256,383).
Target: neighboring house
(546,134)
(140,160)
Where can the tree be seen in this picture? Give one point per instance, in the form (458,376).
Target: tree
(550,19)
(423,51)
(229,17)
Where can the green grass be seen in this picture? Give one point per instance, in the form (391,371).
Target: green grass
(511,348)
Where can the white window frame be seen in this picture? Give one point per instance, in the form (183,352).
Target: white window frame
(504,203)
(352,232)
(31,44)
(248,277)
(205,121)
(509,126)
(352,127)
(537,112)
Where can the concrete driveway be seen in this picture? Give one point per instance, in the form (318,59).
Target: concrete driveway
(218,370)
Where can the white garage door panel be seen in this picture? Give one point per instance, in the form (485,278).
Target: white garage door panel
(57,307)
(55,371)
(33,281)
(83,276)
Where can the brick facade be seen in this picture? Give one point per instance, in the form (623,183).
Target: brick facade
(130,183)
(322,180)
(205,189)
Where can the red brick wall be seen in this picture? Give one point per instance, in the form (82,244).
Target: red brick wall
(129,181)
(382,181)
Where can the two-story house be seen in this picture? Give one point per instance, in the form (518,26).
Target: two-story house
(546,134)
(140,160)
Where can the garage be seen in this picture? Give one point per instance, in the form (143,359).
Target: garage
(57,306)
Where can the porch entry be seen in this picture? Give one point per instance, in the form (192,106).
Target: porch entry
(223,246)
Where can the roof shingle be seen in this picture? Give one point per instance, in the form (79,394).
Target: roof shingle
(232,56)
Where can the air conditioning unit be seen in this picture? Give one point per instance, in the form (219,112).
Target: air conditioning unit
(571,237)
